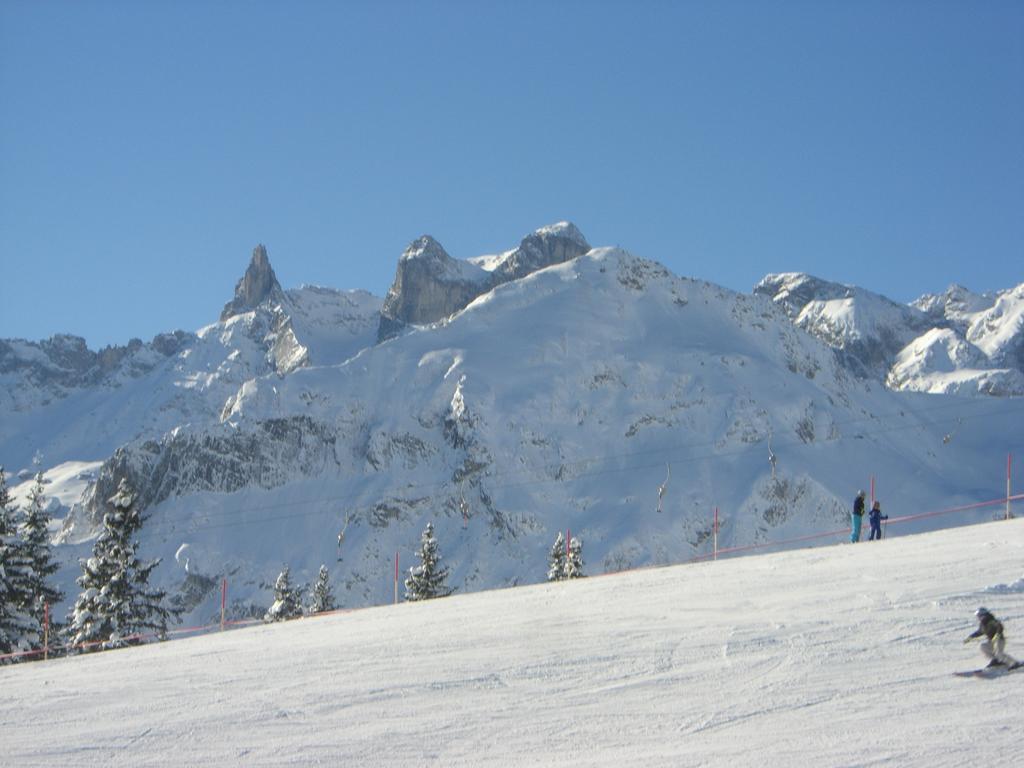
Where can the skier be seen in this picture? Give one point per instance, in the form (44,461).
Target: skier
(992,628)
(875,517)
(857,517)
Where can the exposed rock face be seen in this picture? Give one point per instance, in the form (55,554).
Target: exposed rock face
(258,284)
(544,248)
(430,285)
(273,452)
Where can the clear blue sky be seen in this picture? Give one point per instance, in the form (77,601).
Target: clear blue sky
(146,147)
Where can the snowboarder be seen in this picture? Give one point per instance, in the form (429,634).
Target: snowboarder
(992,628)
(875,517)
(857,517)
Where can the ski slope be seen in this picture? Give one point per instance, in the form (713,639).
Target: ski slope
(836,656)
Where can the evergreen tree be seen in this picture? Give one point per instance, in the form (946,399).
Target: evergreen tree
(323,598)
(19,631)
(427,580)
(556,559)
(40,555)
(574,563)
(287,599)
(116,601)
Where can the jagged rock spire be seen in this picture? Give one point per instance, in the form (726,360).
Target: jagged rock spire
(257,285)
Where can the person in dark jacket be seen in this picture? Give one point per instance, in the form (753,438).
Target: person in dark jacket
(875,517)
(991,628)
(857,517)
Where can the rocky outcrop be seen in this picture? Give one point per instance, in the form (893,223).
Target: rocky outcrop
(430,285)
(544,248)
(272,453)
(258,285)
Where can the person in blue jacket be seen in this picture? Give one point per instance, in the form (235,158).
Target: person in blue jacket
(875,517)
(857,517)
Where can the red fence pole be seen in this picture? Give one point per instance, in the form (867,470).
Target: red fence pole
(716,533)
(1009,469)
(46,631)
(223,600)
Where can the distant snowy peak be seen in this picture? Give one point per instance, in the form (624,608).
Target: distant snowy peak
(793,291)
(999,330)
(257,286)
(957,304)
(941,361)
(430,285)
(847,312)
(34,373)
(868,329)
(958,341)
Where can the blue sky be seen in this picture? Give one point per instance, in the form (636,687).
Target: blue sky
(146,147)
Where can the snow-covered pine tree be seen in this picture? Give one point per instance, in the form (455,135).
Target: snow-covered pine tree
(427,580)
(35,532)
(19,631)
(287,599)
(556,559)
(116,601)
(574,563)
(323,597)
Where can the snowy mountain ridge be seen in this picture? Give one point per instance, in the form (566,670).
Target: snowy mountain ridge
(958,342)
(594,391)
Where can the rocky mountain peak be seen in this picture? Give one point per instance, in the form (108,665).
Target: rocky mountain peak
(426,248)
(795,290)
(546,247)
(430,285)
(955,305)
(257,285)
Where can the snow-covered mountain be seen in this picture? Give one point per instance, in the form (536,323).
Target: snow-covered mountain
(71,403)
(505,398)
(958,342)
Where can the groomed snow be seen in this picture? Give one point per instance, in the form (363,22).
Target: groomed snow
(836,656)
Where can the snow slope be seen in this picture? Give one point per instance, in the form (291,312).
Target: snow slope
(842,656)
